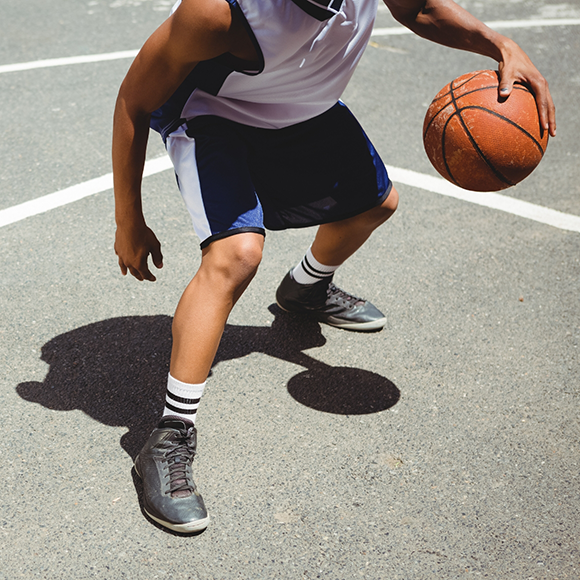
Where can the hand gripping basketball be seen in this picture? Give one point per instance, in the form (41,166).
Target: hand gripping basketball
(479,140)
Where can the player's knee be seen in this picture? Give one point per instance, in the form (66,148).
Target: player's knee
(384,211)
(389,206)
(247,253)
(234,259)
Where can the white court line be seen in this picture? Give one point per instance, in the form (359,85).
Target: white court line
(497,201)
(525,209)
(45,203)
(68,60)
(496,25)
(393,31)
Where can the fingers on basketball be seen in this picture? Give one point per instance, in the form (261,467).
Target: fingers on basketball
(479,140)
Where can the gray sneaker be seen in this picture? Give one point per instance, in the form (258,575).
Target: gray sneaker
(164,464)
(327,303)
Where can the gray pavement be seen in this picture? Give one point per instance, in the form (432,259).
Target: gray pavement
(445,446)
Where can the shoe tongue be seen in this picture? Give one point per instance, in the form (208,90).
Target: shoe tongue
(175,423)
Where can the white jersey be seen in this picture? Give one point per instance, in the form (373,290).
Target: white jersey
(308,52)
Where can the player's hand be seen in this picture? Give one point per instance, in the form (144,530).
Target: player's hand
(133,244)
(517,67)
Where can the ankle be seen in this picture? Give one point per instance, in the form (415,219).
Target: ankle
(182,399)
(311,271)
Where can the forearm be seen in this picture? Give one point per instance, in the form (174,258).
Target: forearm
(130,134)
(134,241)
(446,23)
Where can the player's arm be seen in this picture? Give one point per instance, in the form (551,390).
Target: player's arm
(198,30)
(444,22)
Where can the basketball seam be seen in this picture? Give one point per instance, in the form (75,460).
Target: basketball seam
(467,80)
(445,95)
(495,171)
(521,88)
(495,87)
(433,119)
(515,88)
(458,86)
(443,149)
(508,120)
(463,95)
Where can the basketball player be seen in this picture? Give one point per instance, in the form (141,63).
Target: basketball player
(245,94)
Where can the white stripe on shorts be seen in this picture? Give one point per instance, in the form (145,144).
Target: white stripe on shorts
(181,150)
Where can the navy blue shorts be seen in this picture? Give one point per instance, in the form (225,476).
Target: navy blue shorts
(235,178)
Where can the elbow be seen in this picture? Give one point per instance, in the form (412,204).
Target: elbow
(416,15)
(406,13)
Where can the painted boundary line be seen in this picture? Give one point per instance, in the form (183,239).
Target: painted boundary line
(525,209)
(393,31)
(45,203)
(5,68)
(497,201)
(496,25)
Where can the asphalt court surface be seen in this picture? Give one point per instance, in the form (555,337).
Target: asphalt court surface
(445,446)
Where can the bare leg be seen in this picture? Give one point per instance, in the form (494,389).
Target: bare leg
(337,241)
(227,267)
(334,243)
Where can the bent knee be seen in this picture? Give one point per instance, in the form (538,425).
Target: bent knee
(391,203)
(235,258)
(246,251)
(381,213)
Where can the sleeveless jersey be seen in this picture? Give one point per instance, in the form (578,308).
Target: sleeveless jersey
(308,50)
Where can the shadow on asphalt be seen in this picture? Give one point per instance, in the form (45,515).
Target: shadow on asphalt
(116,371)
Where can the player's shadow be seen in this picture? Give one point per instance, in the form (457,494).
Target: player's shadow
(116,371)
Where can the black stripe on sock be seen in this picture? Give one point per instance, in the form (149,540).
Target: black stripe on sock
(181,399)
(313,271)
(180,411)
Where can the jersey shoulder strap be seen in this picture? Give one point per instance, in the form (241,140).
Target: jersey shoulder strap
(320,9)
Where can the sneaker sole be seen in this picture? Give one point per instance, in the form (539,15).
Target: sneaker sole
(360,326)
(195,526)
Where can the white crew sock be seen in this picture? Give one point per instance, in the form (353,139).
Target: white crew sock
(182,399)
(310,270)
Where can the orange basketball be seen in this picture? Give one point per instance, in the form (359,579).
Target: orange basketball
(480,141)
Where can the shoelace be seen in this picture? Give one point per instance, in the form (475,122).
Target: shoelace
(180,454)
(339,295)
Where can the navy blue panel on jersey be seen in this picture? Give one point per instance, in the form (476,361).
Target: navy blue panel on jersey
(319,171)
(208,76)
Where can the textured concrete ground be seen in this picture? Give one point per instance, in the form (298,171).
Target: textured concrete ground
(445,446)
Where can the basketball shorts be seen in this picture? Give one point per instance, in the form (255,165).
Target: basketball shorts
(235,178)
